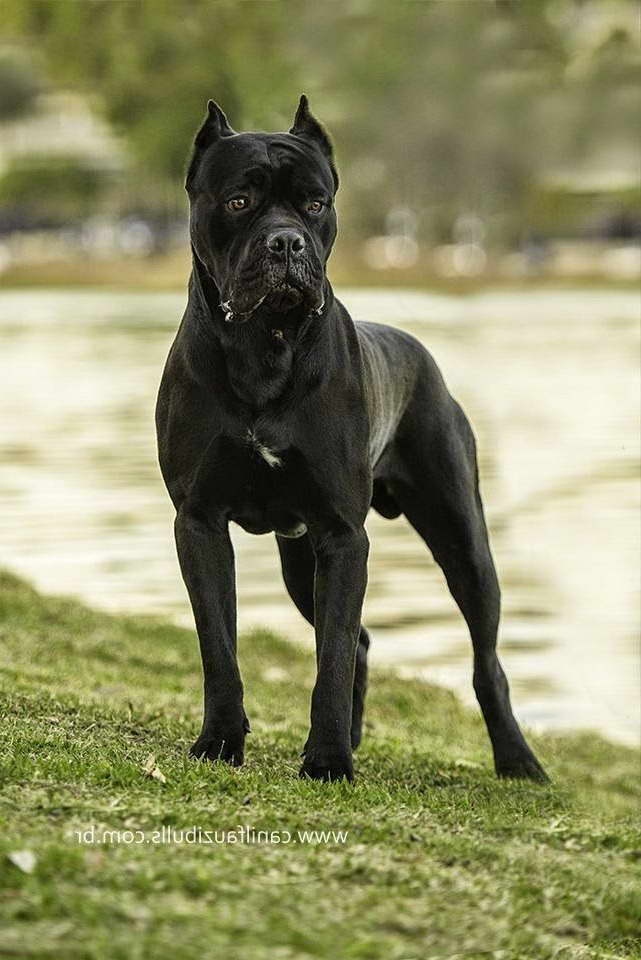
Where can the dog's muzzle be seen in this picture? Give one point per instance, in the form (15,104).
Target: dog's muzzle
(282,273)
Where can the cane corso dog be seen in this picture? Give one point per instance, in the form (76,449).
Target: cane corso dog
(280,413)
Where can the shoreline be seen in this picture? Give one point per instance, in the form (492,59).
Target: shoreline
(171,272)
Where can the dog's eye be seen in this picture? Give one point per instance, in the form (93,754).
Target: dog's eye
(315,206)
(238,203)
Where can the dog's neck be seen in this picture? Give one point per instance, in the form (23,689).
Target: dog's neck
(258,356)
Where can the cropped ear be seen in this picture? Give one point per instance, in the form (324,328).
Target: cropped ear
(215,126)
(307,126)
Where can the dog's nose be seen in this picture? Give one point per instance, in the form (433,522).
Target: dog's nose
(286,243)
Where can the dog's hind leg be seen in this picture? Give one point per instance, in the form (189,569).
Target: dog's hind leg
(439,496)
(298,565)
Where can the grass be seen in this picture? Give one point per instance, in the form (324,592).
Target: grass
(440,860)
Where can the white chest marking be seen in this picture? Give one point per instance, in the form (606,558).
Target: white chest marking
(268,456)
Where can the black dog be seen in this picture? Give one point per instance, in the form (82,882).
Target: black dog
(277,411)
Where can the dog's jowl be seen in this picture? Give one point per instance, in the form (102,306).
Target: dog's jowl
(278,412)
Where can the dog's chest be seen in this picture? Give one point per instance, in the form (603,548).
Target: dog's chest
(269,455)
(259,369)
(259,481)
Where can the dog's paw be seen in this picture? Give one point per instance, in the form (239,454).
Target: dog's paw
(522,766)
(327,767)
(229,748)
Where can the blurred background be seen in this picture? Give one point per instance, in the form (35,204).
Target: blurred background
(490,202)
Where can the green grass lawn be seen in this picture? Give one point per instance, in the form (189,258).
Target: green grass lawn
(440,859)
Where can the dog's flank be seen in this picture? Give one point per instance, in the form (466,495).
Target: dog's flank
(298,420)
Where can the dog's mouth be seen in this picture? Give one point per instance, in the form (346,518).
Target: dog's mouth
(285,296)
(280,297)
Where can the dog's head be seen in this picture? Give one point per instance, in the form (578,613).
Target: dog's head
(262,219)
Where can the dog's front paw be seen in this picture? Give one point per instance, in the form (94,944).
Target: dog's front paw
(219,743)
(327,766)
(521,766)
(219,747)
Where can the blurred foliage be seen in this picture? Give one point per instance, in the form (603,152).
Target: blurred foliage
(151,65)
(440,108)
(51,187)
(583,212)
(18,84)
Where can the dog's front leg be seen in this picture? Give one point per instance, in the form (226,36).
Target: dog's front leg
(207,563)
(341,577)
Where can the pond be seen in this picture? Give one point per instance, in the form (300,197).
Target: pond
(550,381)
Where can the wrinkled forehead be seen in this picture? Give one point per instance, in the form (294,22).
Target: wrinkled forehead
(252,157)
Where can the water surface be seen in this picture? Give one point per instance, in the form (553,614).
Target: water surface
(550,382)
